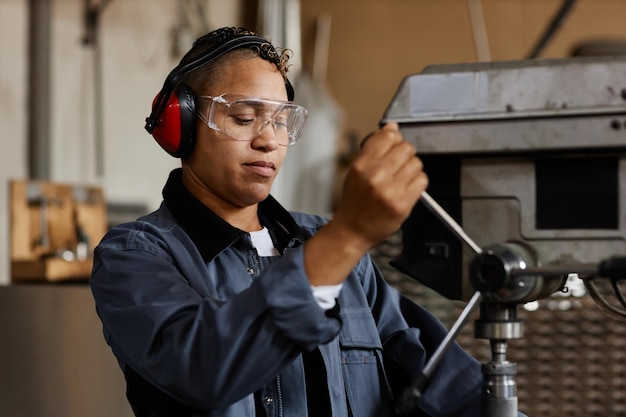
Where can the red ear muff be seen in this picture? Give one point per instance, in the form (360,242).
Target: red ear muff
(175,130)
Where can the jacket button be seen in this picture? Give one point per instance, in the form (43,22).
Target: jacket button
(250,271)
(267,400)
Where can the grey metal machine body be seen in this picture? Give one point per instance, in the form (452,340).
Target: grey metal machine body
(527,168)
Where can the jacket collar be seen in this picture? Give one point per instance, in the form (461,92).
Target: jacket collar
(210,233)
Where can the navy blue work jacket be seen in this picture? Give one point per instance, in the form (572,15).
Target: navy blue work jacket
(203,326)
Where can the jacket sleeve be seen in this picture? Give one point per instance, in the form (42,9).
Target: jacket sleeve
(205,352)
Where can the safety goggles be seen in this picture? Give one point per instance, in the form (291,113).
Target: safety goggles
(244,118)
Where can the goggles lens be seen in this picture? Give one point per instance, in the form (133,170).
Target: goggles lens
(244,118)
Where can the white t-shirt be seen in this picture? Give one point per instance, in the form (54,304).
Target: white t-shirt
(325,295)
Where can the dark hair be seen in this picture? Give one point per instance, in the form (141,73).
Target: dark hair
(197,80)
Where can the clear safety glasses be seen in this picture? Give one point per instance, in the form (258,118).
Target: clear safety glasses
(244,118)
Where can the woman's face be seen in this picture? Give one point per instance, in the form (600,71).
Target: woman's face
(233,173)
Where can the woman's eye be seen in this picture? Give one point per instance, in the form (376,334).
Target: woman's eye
(281,120)
(243,119)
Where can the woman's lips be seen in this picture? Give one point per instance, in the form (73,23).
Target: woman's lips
(263,168)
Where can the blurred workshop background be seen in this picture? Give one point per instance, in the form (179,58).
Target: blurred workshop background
(78,78)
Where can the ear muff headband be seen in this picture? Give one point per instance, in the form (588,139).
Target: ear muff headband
(172,120)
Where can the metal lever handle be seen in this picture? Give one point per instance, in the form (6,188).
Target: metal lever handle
(449,221)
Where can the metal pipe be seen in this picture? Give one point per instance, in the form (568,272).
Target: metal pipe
(39,90)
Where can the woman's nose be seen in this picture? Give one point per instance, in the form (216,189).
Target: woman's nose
(267,137)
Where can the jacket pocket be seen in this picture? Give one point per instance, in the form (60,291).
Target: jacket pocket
(362,367)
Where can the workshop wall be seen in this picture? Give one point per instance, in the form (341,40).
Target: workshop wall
(375,43)
(138,43)
(13,79)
